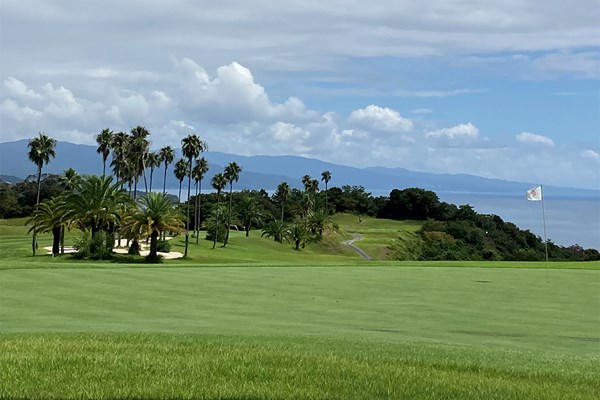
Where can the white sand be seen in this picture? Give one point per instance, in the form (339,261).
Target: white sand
(144,249)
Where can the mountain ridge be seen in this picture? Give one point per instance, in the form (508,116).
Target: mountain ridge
(267,171)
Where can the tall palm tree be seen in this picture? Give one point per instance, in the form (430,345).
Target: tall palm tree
(218,183)
(156,213)
(104,139)
(167,155)
(49,216)
(153,161)
(181,168)
(232,173)
(191,146)
(140,147)
(198,172)
(326,177)
(282,194)
(118,145)
(41,150)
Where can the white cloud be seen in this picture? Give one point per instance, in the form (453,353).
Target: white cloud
(532,138)
(381,119)
(584,64)
(594,155)
(463,131)
(20,90)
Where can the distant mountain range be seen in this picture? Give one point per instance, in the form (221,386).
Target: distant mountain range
(266,172)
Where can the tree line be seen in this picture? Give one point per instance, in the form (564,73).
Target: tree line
(111,205)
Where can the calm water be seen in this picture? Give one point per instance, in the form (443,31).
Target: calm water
(568,220)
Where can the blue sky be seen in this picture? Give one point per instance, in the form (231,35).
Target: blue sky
(507,90)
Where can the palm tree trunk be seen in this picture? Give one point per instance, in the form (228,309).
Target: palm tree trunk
(326,202)
(151,173)
(135,180)
(62,240)
(56,240)
(196,219)
(179,195)
(153,255)
(217,224)
(282,206)
(228,215)
(103,167)
(165,179)
(187,221)
(37,202)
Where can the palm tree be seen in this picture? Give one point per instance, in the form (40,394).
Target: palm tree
(166,155)
(250,213)
(191,146)
(138,153)
(156,213)
(181,168)
(198,172)
(282,194)
(326,177)
(298,234)
(277,230)
(69,179)
(218,183)
(153,161)
(41,150)
(320,221)
(232,173)
(118,144)
(104,139)
(49,216)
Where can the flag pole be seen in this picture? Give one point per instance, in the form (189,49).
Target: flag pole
(545,239)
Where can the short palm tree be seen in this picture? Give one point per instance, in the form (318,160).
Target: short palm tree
(297,234)
(104,139)
(167,155)
(276,230)
(181,168)
(200,169)
(250,213)
(232,173)
(326,177)
(41,150)
(218,183)
(69,179)
(50,216)
(191,146)
(152,161)
(156,213)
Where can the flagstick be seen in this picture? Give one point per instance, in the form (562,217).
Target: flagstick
(545,240)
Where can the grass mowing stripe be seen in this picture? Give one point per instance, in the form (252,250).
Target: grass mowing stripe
(159,366)
(496,308)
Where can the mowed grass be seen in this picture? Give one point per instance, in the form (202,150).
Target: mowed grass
(296,332)
(258,320)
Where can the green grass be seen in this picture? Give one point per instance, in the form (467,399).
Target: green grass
(258,320)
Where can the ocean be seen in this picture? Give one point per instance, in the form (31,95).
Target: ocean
(569,220)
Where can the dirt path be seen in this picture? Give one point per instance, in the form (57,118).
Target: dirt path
(350,243)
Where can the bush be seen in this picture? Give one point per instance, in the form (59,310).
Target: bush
(97,247)
(134,249)
(163,246)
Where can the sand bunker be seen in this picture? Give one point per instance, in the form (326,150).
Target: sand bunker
(144,249)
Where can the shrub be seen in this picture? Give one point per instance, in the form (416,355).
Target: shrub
(163,246)
(97,247)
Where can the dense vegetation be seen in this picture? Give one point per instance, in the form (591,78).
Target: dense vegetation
(448,231)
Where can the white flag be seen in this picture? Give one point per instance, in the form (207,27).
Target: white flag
(534,194)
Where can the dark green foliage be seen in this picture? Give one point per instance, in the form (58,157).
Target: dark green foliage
(163,246)
(134,249)
(96,247)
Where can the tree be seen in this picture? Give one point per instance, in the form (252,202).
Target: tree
(156,213)
(250,213)
(153,161)
(276,230)
(118,144)
(198,172)
(297,234)
(319,221)
(326,177)
(218,183)
(49,216)
(191,146)
(181,168)
(41,150)
(232,173)
(282,194)
(167,155)
(104,139)
(69,179)
(139,147)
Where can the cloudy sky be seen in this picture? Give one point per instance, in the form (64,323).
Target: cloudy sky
(508,90)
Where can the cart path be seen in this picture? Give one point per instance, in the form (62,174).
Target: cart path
(350,243)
